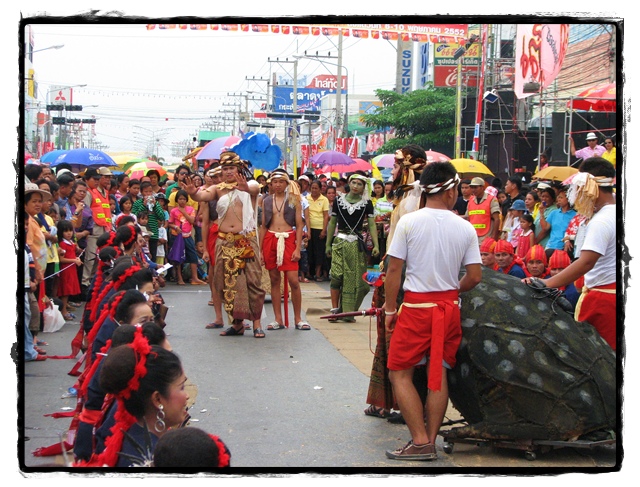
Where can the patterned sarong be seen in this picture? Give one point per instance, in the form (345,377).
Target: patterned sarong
(237,276)
(348,264)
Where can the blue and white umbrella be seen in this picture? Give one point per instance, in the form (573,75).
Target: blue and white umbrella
(80,159)
(50,157)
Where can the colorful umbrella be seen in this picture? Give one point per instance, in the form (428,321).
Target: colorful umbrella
(213,148)
(385,160)
(331,158)
(470,168)
(433,156)
(80,159)
(50,157)
(555,173)
(598,99)
(133,161)
(357,165)
(140,169)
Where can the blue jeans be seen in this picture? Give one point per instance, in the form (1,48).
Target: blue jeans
(29,352)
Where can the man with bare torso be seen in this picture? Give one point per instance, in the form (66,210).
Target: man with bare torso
(280,242)
(237,272)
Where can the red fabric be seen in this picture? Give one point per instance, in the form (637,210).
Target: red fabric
(559,260)
(599,310)
(270,254)
(68,283)
(488,245)
(211,243)
(536,253)
(418,331)
(503,246)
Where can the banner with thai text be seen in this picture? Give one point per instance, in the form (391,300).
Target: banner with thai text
(540,52)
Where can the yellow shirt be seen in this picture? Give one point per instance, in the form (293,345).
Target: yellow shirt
(610,156)
(316,211)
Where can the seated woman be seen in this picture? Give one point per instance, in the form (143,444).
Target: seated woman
(148,383)
(190,447)
(130,310)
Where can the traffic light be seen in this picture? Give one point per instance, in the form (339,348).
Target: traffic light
(311,115)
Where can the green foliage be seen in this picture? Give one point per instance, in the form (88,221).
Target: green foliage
(426,117)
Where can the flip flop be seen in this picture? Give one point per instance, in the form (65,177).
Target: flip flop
(303,325)
(274,325)
(258,333)
(214,325)
(211,303)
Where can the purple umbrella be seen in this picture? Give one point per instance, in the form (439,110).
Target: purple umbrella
(331,158)
(213,148)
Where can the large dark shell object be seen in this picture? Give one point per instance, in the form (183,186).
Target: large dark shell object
(526,369)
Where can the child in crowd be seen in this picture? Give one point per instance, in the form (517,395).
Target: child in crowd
(525,238)
(162,246)
(134,189)
(303,265)
(125,209)
(181,220)
(155,214)
(69,284)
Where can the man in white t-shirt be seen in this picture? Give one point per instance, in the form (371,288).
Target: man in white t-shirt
(592,195)
(434,243)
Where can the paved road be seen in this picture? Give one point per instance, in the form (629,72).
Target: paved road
(293,400)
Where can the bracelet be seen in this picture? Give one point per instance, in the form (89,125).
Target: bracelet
(390,314)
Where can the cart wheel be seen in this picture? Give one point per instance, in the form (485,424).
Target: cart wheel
(529,455)
(447,448)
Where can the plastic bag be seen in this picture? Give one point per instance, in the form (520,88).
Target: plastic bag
(53,319)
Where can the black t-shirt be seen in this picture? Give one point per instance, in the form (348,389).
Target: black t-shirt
(461,205)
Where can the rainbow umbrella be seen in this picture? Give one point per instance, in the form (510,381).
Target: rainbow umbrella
(384,160)
(140,169)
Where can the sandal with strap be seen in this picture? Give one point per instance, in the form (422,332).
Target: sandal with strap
(376,412)
(303,325)
(231,331)
(258,333)
(274,325)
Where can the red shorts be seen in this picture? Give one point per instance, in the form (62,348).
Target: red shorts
(599,310)
(270,251)
(211,243)
(413,334)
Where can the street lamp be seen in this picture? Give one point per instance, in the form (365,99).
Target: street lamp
(59,46)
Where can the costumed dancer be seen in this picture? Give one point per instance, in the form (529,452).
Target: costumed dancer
(591,194)
(237,272)
(559,261)
(407,197)
(347,249)
(536,262)
(280,241)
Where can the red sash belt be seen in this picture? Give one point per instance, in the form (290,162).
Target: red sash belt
(445,304)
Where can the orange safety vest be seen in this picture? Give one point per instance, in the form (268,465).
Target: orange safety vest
(480,215)
(100,209)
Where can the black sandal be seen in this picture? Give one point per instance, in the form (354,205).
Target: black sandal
(231,331)
(258,333)
(376,412)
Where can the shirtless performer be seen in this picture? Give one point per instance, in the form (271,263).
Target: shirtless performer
(280,241)
(237,270)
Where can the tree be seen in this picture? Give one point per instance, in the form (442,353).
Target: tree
(425,117)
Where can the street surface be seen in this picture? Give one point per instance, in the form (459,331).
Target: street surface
(290,402)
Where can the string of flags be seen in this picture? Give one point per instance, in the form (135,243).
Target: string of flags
(405,32)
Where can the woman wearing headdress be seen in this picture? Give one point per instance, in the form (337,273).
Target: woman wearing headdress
(347,249)
(148,383)
(407,197)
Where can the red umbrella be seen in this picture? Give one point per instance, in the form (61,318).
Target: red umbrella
(598,99)
(358,165)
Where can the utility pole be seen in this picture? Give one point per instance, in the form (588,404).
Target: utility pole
(294,138)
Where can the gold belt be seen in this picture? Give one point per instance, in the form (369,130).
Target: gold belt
(232,237)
